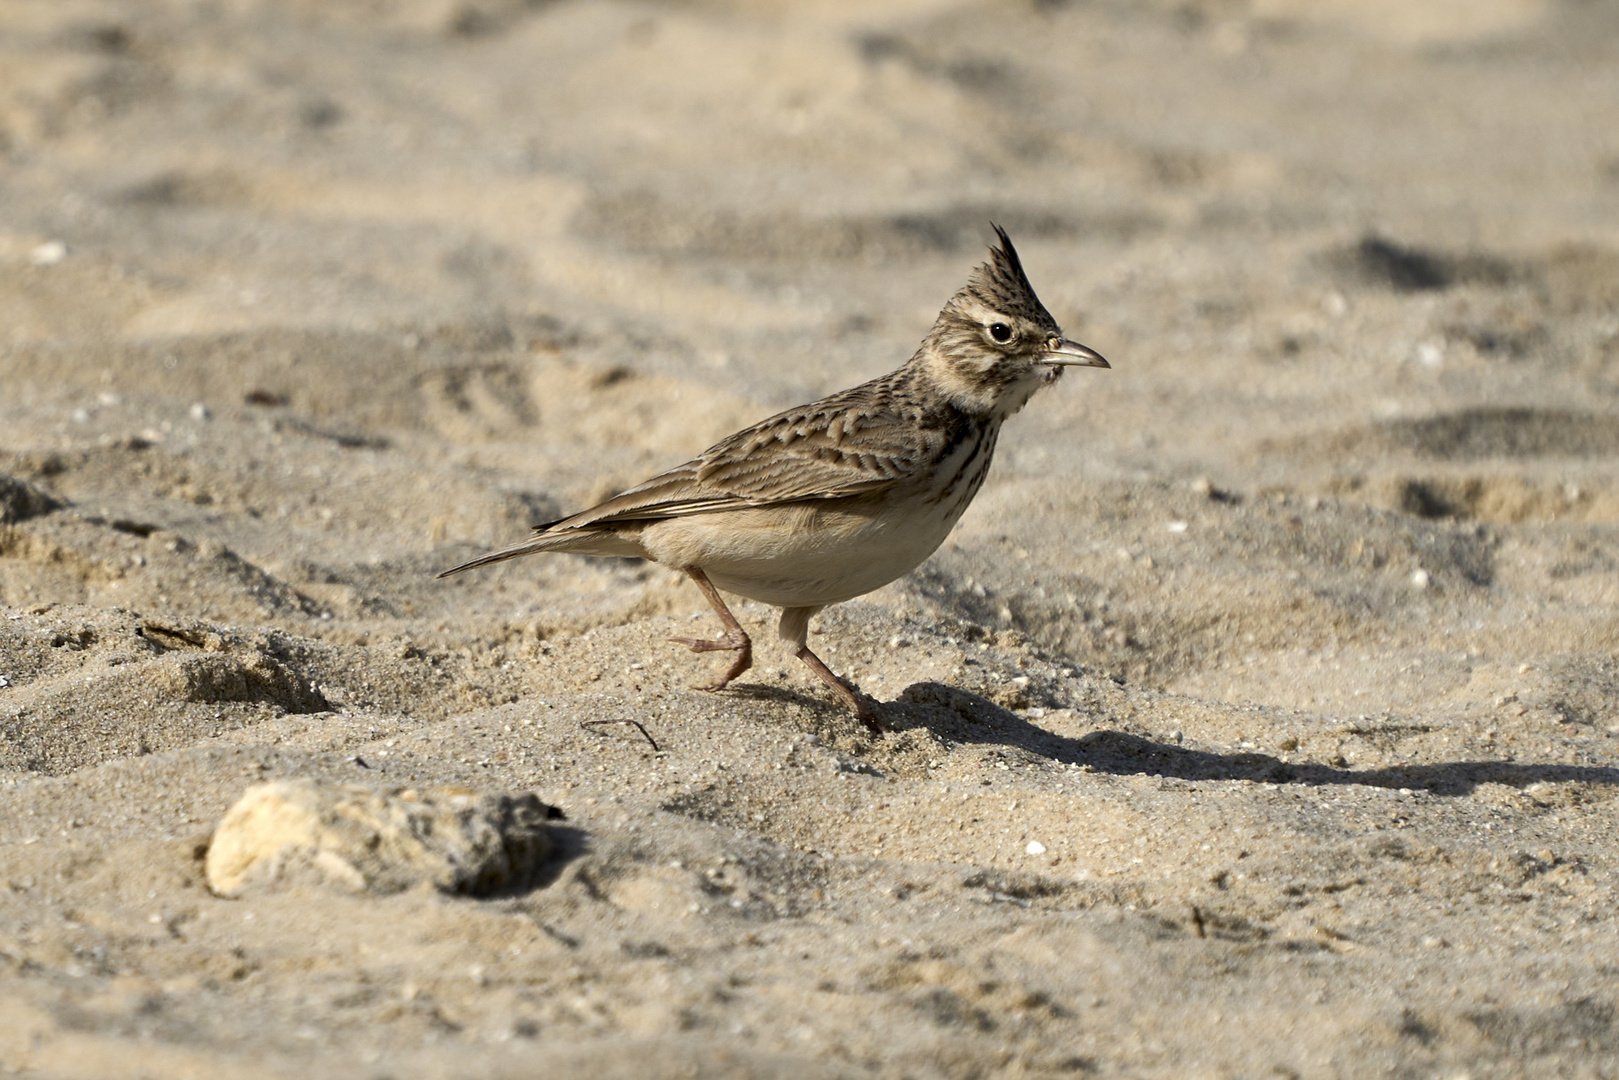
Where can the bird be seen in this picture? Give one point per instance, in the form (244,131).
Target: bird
(828,501)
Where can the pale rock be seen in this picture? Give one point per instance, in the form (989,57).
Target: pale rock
(298,832)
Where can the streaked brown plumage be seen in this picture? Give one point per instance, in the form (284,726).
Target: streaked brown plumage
(833,499)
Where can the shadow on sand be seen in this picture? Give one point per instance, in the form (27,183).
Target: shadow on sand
(960,716)
(965,717)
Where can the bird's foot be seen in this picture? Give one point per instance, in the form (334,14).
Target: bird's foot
(864,709)
(866,713)
(736,642)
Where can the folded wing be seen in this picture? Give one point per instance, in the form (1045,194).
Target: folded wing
(828,450)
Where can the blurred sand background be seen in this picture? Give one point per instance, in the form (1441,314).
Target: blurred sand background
(1258,720)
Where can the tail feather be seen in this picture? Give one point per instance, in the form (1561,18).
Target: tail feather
(582,541)
(528,547)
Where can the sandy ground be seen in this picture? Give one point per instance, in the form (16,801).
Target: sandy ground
(1258,720)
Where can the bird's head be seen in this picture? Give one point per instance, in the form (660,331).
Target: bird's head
(995,344)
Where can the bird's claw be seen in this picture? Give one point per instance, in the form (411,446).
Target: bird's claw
(743,661)
(710,644)
(867,714)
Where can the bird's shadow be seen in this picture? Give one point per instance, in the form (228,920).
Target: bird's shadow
(960,716)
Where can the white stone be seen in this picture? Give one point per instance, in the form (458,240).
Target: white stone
(298,832)
(49,253)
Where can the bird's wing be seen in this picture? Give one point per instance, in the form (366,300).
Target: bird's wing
(848,444)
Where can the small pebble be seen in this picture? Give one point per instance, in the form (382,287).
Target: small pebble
(49,253)
(199,412)
(1420,579)
(1035,848)
(1177,526)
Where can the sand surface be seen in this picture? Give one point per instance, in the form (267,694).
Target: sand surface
(1259,719)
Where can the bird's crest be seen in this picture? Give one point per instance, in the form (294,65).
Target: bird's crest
(1001,284)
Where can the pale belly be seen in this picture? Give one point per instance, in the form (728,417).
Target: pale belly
(806,555)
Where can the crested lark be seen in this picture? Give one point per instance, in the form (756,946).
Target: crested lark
(831,500)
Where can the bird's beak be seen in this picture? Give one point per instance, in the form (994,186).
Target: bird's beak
(1061,352)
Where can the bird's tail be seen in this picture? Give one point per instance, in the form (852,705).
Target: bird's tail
(587,542)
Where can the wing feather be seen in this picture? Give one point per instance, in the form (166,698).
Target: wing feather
(859,442)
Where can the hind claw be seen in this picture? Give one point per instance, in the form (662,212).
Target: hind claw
(744,656)
(708,644)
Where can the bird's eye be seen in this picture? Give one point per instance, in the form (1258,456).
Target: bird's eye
(1000,332)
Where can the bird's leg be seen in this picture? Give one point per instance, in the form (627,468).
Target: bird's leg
(794,630)
(858,705)
(735,640)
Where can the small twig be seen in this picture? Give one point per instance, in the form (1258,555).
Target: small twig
(655,748)
(1198,924)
